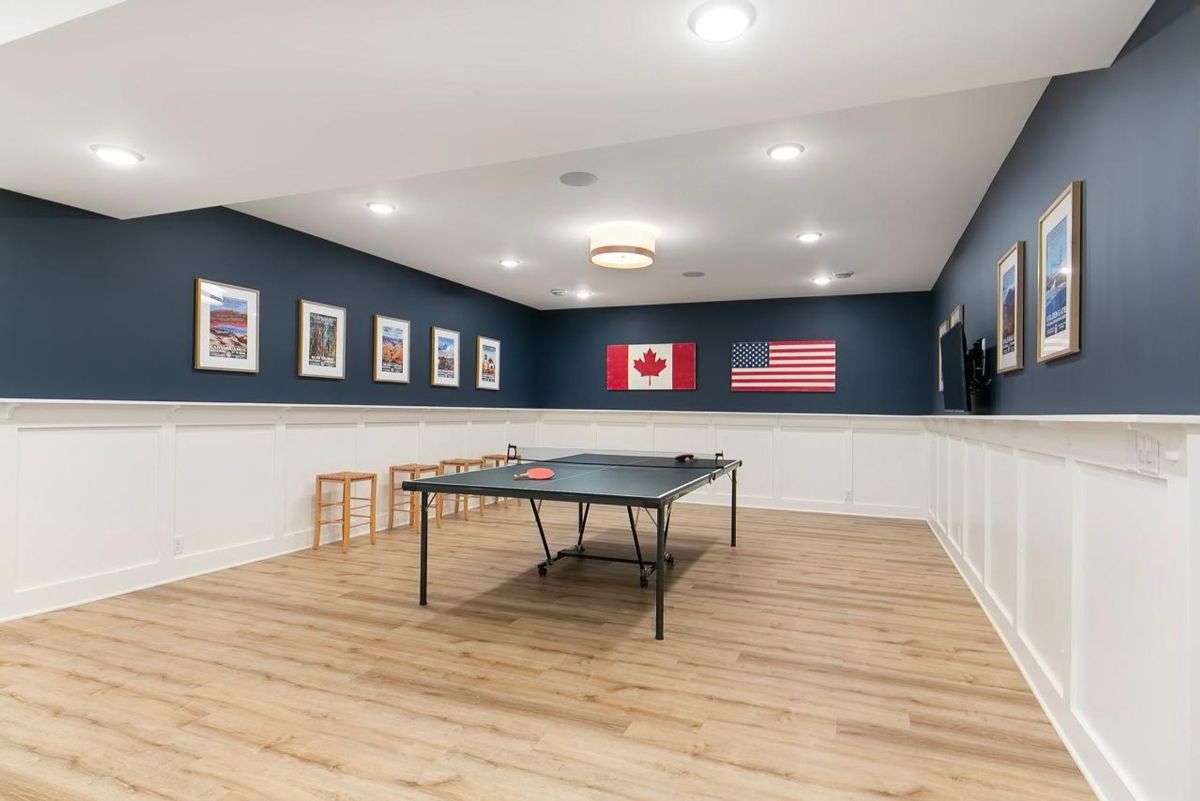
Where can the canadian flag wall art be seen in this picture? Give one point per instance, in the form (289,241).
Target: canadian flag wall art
(660,366)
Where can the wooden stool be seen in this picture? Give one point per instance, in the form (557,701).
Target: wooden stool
(460,466)
(411,471)
(497,460)
(347,480)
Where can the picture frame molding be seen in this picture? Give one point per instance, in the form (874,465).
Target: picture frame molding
(199,336)
(1017,249)
(302,335)
(1074,191)
(377,345)
(433,335)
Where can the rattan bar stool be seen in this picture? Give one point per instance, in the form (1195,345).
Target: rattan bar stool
(461,466)
(400,501)
(349,511)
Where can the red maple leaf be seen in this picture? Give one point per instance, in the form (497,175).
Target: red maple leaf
(650,365)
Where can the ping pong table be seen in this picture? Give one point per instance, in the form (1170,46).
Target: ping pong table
(650,481)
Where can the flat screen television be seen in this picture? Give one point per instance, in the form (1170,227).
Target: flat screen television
(956,395)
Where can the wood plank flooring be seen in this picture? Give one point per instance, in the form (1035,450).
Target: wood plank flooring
(826,658)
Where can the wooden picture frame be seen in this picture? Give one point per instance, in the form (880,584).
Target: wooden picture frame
(391,353)
(1060,272)
(321,340)
(1010,310)
(226,334)
(487,363)
(445,357)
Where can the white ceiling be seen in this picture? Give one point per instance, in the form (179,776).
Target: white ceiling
(234,101)
(23,17)
(891,187)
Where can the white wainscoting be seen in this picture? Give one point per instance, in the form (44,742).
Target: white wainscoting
(1085,561)
(863,465)
(102,498)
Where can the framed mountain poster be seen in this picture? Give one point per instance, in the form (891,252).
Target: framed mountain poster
(392,349)
(226,336)
(321,347)
(445,358)
(1010,318)
(1059,273)
(487,363)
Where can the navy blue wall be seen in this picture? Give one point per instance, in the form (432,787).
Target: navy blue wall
(97,308)
(883,352)
(1131,133)
(92,307)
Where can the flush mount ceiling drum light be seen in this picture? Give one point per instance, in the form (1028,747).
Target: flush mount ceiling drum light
(623,245)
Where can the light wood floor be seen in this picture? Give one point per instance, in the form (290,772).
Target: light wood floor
(825,658)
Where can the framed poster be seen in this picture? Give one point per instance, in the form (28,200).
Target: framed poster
(226,336)
(1010,317)
(487,363)
(321,346)
(392,349)
(943,327)
(1059,268)
(444,357)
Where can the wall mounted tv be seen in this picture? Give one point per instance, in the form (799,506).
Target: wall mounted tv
(956,394)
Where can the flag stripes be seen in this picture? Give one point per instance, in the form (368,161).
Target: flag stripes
(786,366)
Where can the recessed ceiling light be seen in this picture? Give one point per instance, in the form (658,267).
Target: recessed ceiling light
(583,294)
(381,208)
(578,178)
(810,237)
(785,152)
(721,20)
(693,274)
(509,263)
(558,293)
(117,155)
(822,280)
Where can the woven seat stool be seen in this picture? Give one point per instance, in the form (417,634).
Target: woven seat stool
(461,466)
(349,512)
(397,473)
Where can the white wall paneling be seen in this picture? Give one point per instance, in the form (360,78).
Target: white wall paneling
(888,461)
(1084,558)
(813,463)
(222,476)
(87,503)
(1085,561)
(1000,528)
(822,463)
(99,498)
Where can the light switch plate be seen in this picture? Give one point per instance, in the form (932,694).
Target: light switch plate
(1145,451)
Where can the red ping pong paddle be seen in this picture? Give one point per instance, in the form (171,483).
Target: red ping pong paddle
(536,473)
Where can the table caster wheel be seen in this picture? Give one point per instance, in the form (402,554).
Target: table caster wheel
(644,580)
(670,559)
(542,570)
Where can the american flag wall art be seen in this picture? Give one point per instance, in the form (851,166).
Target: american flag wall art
(806,365)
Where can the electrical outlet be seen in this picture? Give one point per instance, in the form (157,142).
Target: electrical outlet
(1145,453)
(179,546)
(849,496)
